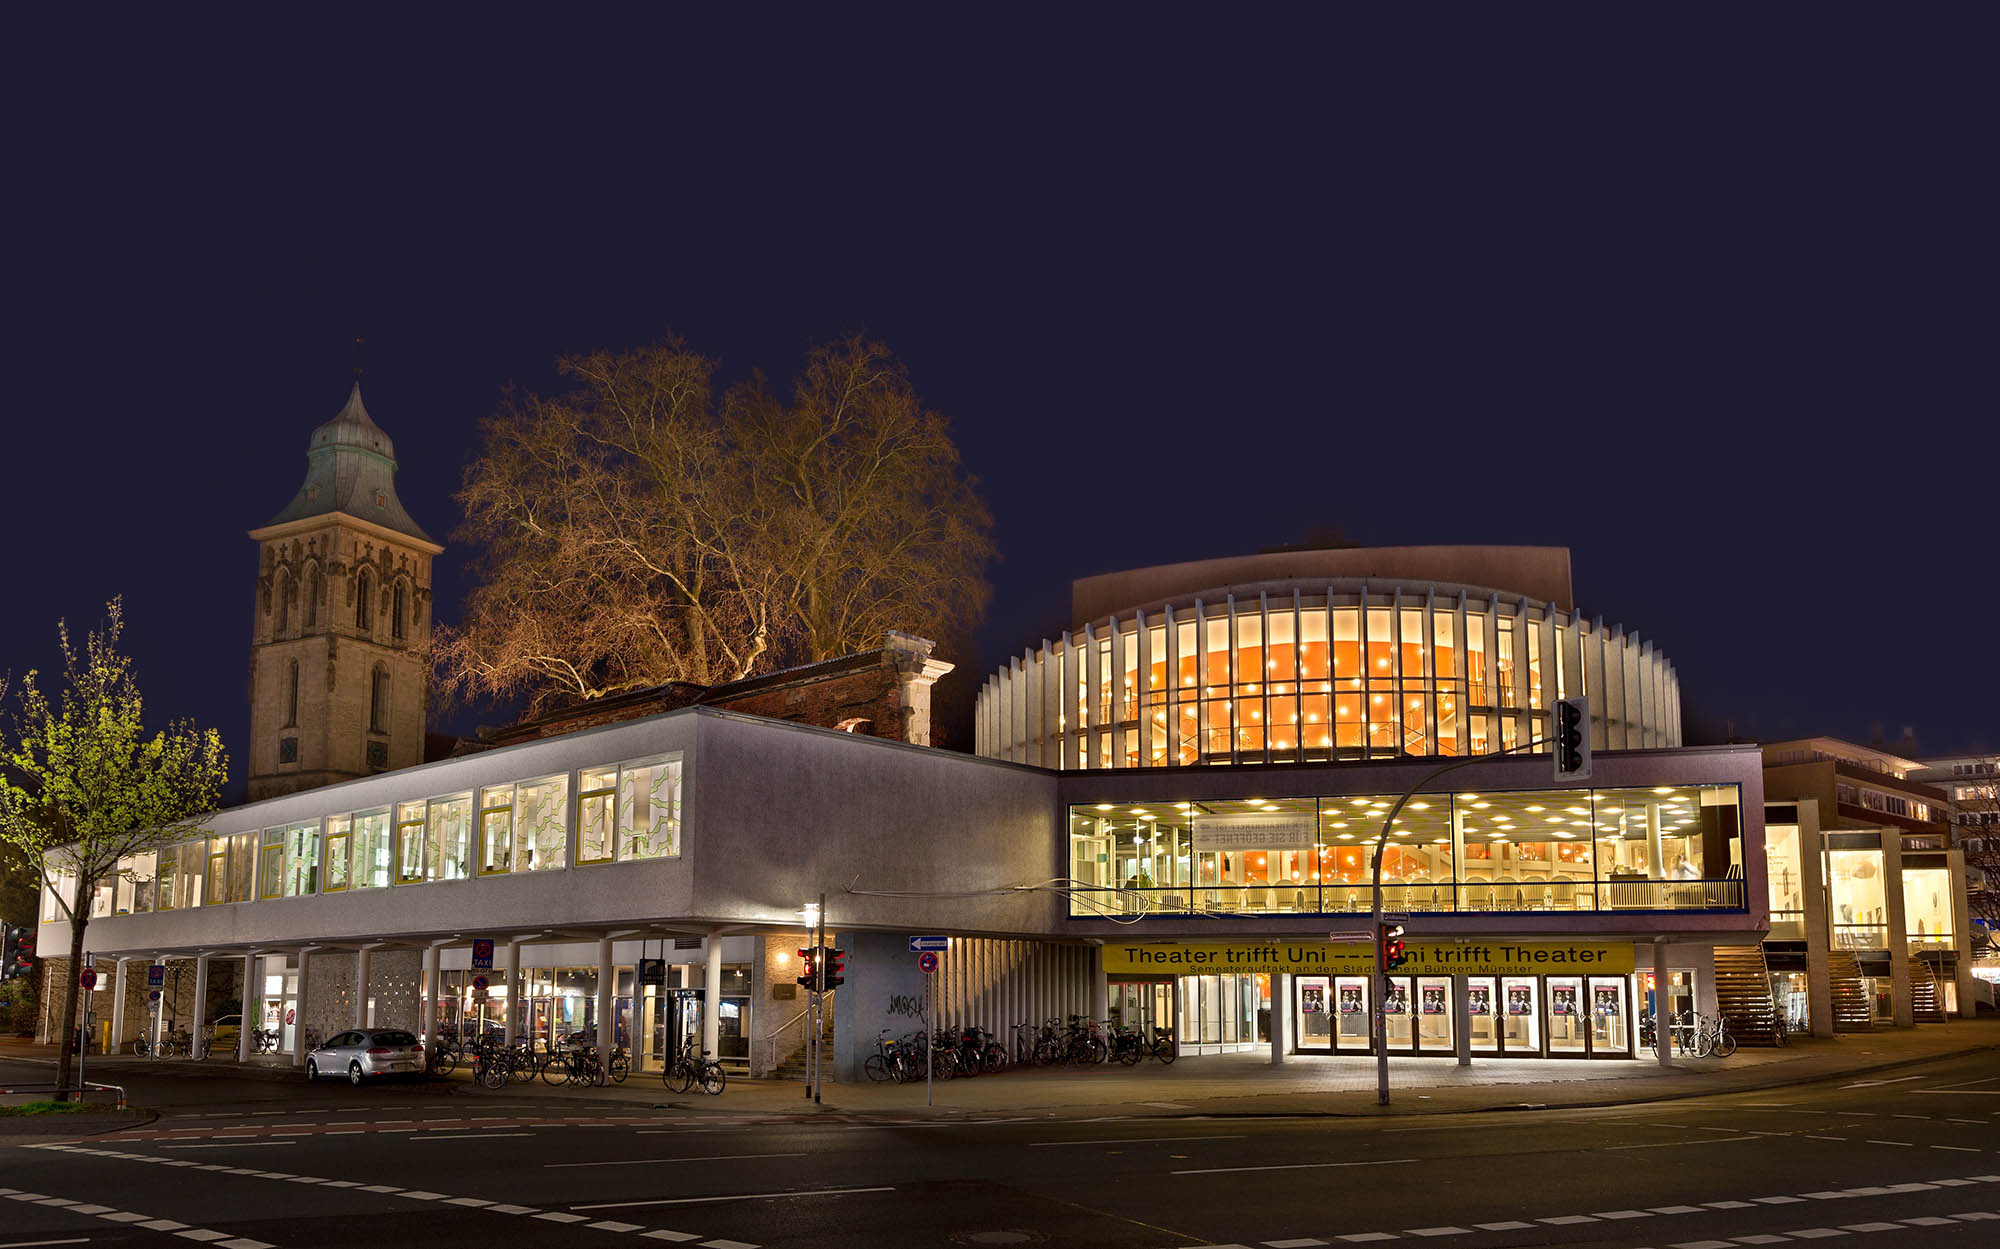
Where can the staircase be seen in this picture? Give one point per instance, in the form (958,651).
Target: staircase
(1853,1005)
(1925,999)
(1743,995)
(796,1063)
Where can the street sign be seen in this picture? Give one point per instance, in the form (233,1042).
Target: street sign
(653,971)
(482,954)
(927,963)
(87,978)
(156,976)
(479,983)
(920,944)
(153,996)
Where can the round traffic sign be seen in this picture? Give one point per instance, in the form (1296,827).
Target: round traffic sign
(152,995)
(479,982)
(87,978)
(927,963)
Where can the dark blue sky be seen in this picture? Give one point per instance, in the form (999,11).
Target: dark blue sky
(1710,305)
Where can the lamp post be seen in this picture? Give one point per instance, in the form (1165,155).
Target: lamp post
(1381,1020)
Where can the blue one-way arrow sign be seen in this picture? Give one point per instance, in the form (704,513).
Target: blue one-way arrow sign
(920,944)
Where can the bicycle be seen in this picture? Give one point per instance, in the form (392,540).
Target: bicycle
(687,1070)
(886,1063)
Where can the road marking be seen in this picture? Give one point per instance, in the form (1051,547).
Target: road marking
(1675,1209)
(642,1162)
(1673,1144)
(1762,1240)
(1438,1231)
(1904,1144)
(1358,1237)
(1302,1242)
(1295,1166)
(1728,1205)
(1565,1220)
(693,1201)
(1964,1149)
(24,1244)
(1869,1084)
(1509,1225)
(1957,1093)
(1872,1227)
(1130,1140)
(230,1145)
(1816,1233)
(464,1136)
(1621,1214)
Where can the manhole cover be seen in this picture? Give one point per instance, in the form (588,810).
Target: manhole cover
(1004,1236)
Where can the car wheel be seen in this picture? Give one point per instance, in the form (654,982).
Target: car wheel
(312,1071)
(354,1073)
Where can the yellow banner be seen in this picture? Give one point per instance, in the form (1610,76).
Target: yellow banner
(1478,956)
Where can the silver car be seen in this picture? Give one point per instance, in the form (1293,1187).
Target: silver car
(363,1052)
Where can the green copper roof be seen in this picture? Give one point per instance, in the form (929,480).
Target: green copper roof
(351,468)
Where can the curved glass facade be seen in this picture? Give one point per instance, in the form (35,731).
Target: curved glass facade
(1331,673)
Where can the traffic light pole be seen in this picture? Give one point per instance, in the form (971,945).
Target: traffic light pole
(819,995)
(1381,1019)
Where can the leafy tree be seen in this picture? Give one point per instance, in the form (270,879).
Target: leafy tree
(84,786)
(638,530)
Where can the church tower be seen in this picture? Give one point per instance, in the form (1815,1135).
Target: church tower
(341,639)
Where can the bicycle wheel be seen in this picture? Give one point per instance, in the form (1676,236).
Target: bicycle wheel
(1164,1051)
(713,1078)
(681,1076)
(995,1058)
(555,1071)
(876,1069)
(523,1068)
(620,1068)
(442,1062)
(492,1076)
(1725,1044)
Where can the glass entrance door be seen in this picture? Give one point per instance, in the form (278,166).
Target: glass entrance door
(1396,1018)
(1433,1020)
(1351,1035)
(1520,1032)
(1610,1017)
(1315,1012)
(1566,1023)
(1480,994)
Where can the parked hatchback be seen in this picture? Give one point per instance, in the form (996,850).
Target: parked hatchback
(363,1052)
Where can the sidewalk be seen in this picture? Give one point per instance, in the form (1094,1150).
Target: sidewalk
(1232,1084)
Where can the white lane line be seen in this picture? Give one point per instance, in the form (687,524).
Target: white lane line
(1762,1240)
(1815,1233)
(1872,1227)
(1675,1144)
(695,1201)
(1869,1084)
(25,1244)
(1437,1231)
(230,1145)
(1964,1149)
(464,1136)
(1507,1225)
(1565,1220)
(1131,1140)
(1904,1144)
(1955,1093)
(1294,1166)
(643,1162)
(1302,1242)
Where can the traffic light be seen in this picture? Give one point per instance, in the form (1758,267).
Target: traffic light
(18,957)
(1572,739)
(808,968)
(1393,954)
(836,965)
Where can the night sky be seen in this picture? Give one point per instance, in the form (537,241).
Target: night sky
(1711,306)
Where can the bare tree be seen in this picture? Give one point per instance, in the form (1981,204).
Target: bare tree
(85,787)
(637,531)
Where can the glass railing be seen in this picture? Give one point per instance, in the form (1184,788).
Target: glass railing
(1406,899)
(1860,937)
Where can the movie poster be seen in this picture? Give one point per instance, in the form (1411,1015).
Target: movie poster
(1479,999)
(1562,1000)
(1607,1000)
(1433,1000)
(1312,999)
(1518,1000)
(1398,1001)
(1350,999)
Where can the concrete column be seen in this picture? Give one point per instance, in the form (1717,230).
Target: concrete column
(1656,855)
(1661,1012)
(433,981)
(1961,932)
(246,1016)
(156,1015)
(1819,938)
(515,988)
(1281,1016)
(711,1013)
(363,959)
(1903,1011)
(1461,1019)
(301,1007)
(605,984)
(119,989)
(200,1021)
(1100,984)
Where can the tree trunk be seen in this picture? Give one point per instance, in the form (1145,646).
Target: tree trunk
(79,919)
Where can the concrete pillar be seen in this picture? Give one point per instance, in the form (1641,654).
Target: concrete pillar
(1100,984)
(1281,1015)
(301,1007)
(199,1024)
(605,984)
(711,1005)
(157,1013)
(1461,1019)
(363,958)
(1961,932)
(1662,1013)
(1656,857)
(119,989)
(247,1018)
(516,991)
(1819,930)
(1903,1011)
(433,981)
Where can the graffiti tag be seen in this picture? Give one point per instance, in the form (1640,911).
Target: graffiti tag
(909,1007)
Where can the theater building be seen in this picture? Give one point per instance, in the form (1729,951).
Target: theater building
(1166,821)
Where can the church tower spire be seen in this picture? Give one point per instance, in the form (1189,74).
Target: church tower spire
(340,641)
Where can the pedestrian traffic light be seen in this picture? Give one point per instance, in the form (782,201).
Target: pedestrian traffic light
(808,969)
(1572,739)
(836,966)
(17,958)
(1393,954)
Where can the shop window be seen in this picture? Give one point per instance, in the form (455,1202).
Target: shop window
(409,843)
(374,849)
(339,840)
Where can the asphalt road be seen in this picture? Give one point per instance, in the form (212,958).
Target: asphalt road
(1910,1157)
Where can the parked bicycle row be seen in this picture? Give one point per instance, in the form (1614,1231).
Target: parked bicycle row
(952,1053)
(495,1064)
(1704,1036)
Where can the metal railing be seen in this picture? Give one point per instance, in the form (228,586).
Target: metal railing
(777,1034)
(1562,896)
